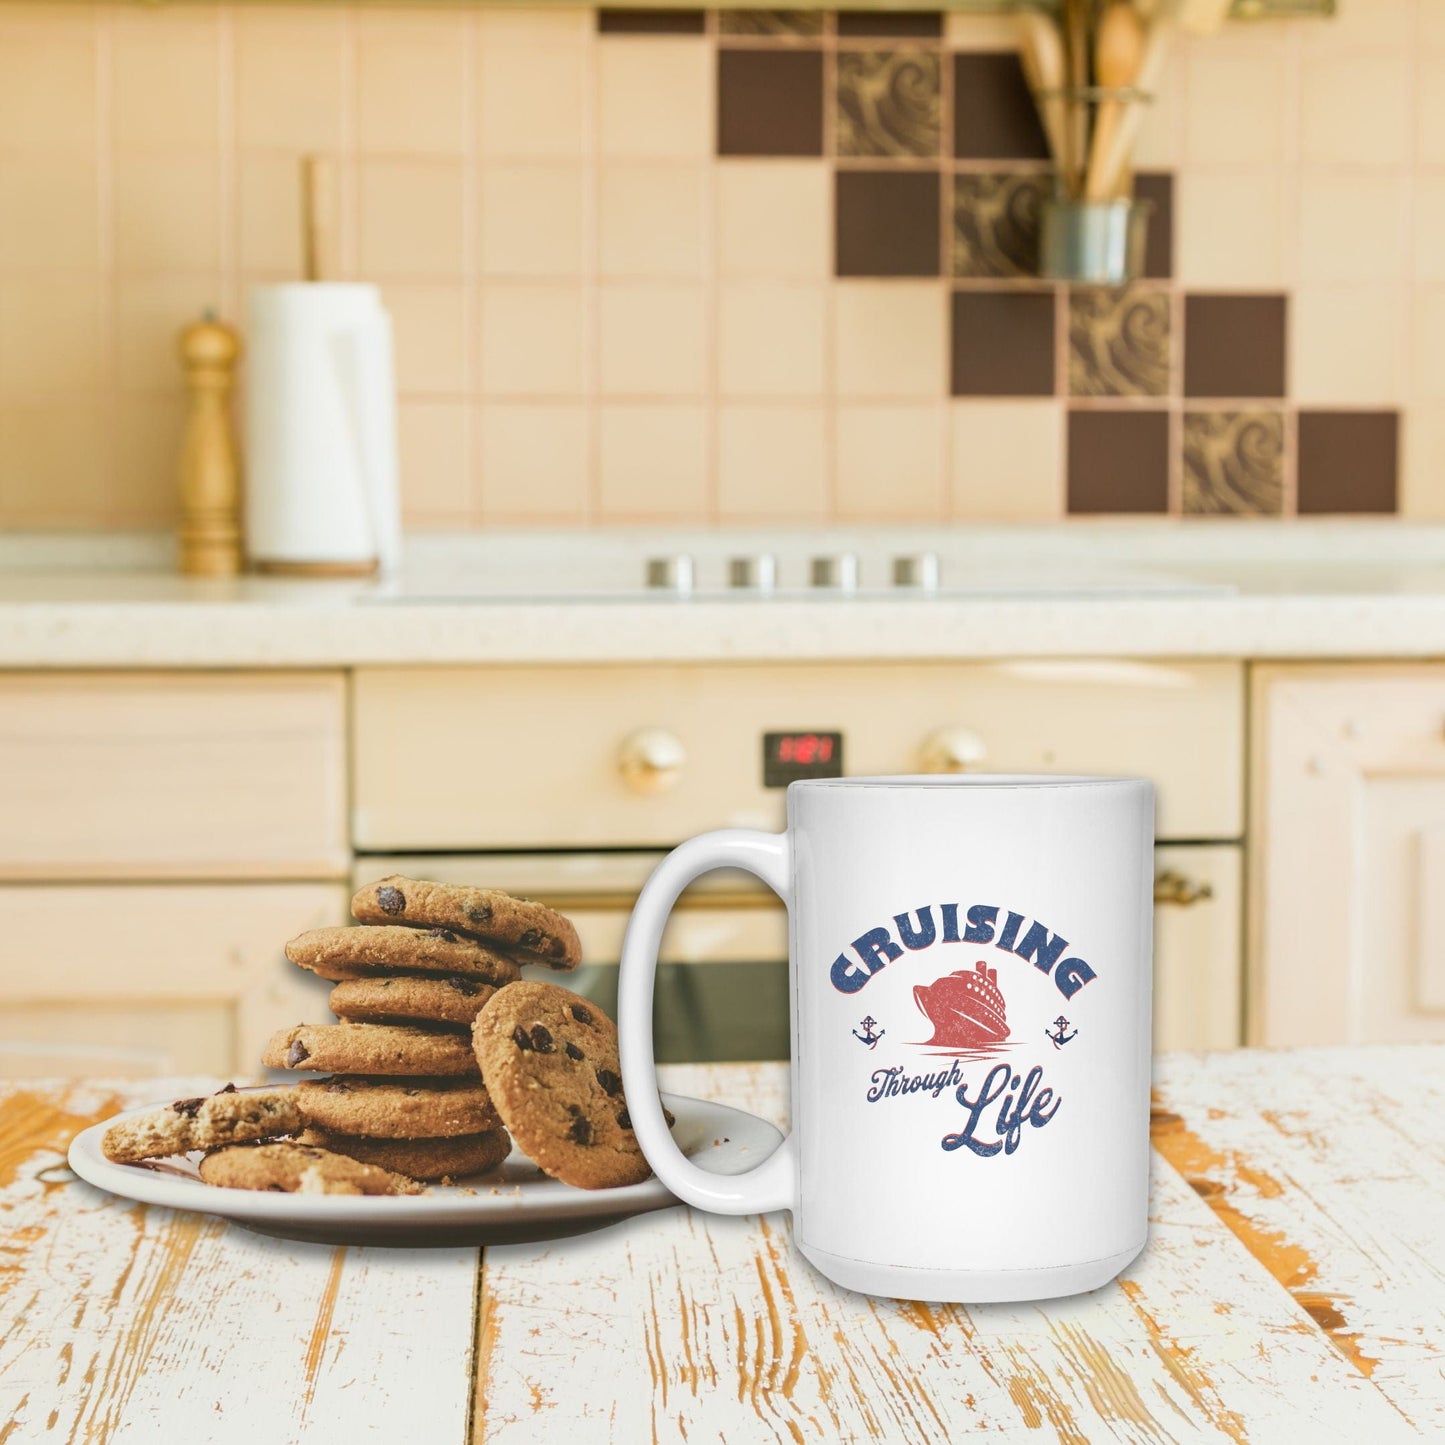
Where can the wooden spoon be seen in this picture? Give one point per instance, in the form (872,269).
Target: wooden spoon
(1118,54)
(1041,53)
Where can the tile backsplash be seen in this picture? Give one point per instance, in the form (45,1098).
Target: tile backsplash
(732,266)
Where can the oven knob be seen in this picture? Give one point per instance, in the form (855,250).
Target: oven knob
(952,750)
(651,760)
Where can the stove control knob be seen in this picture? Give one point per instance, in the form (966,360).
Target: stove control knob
(670,574)
(651,760)
(952,750)
(916,569)
(838,572)
(756,573)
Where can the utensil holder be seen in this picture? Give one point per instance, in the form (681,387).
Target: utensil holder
(1097,243)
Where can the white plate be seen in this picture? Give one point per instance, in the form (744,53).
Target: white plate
(514,1203)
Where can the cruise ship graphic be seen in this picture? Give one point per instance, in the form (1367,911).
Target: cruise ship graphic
(966,1008)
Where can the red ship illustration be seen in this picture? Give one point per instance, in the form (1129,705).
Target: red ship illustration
(965,1008)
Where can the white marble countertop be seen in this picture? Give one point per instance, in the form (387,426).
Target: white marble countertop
(1231,590)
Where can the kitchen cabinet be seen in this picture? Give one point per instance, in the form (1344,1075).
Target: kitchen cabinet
(1347,889)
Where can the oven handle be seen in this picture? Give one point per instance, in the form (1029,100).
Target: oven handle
(773,1183)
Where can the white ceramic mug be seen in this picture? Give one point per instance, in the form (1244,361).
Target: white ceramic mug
(970,985)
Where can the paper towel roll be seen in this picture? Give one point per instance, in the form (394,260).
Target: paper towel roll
(321,467)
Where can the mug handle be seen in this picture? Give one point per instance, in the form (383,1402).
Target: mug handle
(772,1184)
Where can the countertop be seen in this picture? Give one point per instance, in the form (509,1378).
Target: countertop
(1291,1291)
(1197,589)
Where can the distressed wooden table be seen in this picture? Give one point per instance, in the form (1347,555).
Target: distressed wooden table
(1293,1290)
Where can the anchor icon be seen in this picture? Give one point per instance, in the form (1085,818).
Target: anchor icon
(868,1036)
(1060,1037)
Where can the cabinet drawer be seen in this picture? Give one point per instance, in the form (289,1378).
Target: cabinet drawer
(168,977)
(1198,972)
(462,758)
(180,776)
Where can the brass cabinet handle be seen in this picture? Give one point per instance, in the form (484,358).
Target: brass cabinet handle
(1182,892)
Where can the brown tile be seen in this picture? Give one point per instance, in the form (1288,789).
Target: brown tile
(887,223)
(1233,463)
(1118,461)
(1118,341)
(927,23)
(770,103)
(1348,461)
(1003,343)
(888,103)
(650,22)
(1157,187)
(993,113)
(996,224)
(780,23)
(1234,345)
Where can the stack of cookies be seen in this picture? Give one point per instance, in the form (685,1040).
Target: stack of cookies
(410,978)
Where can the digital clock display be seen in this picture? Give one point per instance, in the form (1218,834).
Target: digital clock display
(789,757)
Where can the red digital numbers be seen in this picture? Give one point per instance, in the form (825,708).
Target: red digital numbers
(805,749)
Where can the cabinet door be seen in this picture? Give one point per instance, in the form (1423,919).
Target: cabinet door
(155,979)
(1198,926)
(1348,873)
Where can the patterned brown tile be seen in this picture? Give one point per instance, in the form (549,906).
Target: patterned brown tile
(1348,461)
(888,103)
(770,103)
(1157,188)
(887,223)
(1233,463)
(996,224)
(888,23)
(1234,346)
(650,22)
(1118,461)
(1118,341)
(770,22)
(1003,343)
(993,113)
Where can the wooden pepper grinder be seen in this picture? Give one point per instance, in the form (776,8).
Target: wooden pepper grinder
(210,526)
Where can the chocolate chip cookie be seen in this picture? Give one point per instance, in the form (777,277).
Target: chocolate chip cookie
(299,1168)
(449,1002)
(348,1048)
(397,1108)
(549,1061)
(531,931)
(360,952)
(233,1116)
(454,1158)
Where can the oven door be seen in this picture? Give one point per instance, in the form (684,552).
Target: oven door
(722,977)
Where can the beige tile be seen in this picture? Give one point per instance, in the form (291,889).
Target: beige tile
(1354,110)
(533,25)
(150,313)
(411,218)
(532,219)
(652,462)
(533,339)
(1234,108)
(52,463)
(1229,228)
(144,491)
(412,80)
(654,97)
(1159,144)
(49,213)
(890,462)
(651,340)
(774,219)
(532,100)
(1007,460)
(771,338)
(1422,463)
(48,83)
(1361,25)
(1352,227)
(290,69)
(268,213)
(431,336)
(165,78)
(1431,23)
(890,339)
(535,463)
(167,213)
(1427,326)
(52,335)
(651,219)
(772,464)
(1347,346)
(434,446)
(1430,109)
(965,31)
(1428,245)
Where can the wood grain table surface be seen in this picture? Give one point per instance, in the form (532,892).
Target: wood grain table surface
(1293,1290)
